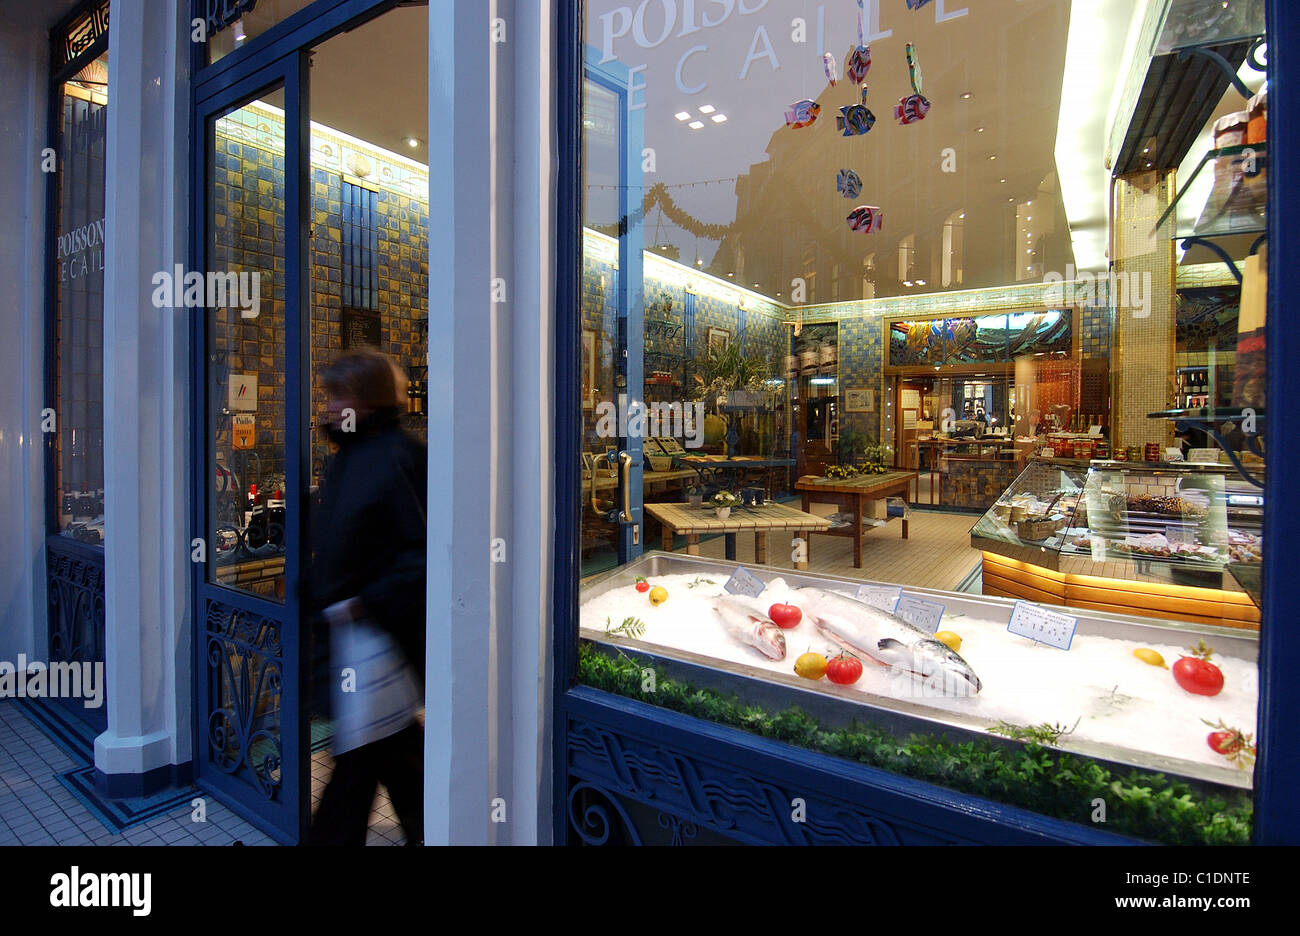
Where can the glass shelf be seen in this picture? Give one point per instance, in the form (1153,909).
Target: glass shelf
(1198,23)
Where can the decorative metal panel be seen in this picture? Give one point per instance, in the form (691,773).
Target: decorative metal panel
(243,737)
(691,792)
(74,575)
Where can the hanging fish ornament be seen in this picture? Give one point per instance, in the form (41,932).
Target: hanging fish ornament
(866,219)
(914,106)
(914,68)
(855,119)
(858,61)
(848,183)
(832,68)
(916,4)
(801,113)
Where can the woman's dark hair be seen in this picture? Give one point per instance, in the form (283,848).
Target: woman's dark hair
(365,377)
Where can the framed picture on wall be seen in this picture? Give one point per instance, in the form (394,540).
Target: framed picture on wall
(717,340)
(859,400)
(588,368)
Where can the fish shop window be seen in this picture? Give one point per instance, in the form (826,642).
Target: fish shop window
(1002,492)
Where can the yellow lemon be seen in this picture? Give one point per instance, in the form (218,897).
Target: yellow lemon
(658,595)
(810,666)
(1147,655)
(950,640)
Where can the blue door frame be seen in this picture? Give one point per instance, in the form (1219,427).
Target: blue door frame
(265,634)
(630,297)
(627,751)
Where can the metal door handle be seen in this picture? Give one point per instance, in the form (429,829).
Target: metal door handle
(625,462)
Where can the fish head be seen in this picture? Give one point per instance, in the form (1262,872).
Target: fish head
(771,639)
(936,662)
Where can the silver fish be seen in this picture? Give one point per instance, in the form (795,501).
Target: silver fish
(750,627)
(887,640)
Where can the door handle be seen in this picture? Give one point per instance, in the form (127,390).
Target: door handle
(625,464)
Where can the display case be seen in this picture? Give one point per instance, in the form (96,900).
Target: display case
(1153,538)
(1093,706)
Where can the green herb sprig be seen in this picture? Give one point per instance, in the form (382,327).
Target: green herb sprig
(631,627)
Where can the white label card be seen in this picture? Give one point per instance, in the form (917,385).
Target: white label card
(1037,623)
(1180,535)
(884,597)
(920,612)
(744,582)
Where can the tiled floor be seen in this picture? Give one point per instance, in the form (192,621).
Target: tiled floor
(35,809)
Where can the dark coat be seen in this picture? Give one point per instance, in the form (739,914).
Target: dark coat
(368,538)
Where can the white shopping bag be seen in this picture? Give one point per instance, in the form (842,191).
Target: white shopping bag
(375,690)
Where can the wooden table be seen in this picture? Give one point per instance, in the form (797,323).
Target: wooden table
(711,467)
(692,521)
(857,491)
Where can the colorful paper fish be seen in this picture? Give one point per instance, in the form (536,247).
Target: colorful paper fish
(866,219)
(848,183)
(832,68)
(916,4)
(855,119)
(801,113)
(914,68)
(857,64)
(910,109)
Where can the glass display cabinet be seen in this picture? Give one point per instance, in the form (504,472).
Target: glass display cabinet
(1164,540)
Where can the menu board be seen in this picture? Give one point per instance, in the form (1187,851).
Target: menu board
(359,329)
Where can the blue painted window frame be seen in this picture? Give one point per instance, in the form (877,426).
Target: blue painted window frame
(1277,810)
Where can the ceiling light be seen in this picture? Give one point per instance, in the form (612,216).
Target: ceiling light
(1004,181)
(979,129)
(682,115)
(920,282)
(707,109)
(239,30)
(993,157)
(907,282)
(731,274)
(965,95)
(719,118)
(695,124)
(962,215)
(412,142)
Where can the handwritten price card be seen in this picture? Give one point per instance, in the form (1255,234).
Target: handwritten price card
(1049,627)
(744,582)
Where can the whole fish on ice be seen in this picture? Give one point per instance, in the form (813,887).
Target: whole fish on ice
(750,627)
(886,639)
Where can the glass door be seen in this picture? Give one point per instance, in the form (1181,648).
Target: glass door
(613,324)
(251,451)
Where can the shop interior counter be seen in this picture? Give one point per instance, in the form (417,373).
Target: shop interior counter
(1156,539)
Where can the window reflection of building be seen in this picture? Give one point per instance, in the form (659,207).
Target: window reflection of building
(951,251)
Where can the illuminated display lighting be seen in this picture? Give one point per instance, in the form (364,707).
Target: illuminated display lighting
(707,109)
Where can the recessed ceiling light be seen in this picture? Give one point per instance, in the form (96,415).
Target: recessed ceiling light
(1004,181)
(731,274)
(965,95)
(962,215)
(412,142)
(993,157)
(695,124)
(907,282)
(719,118)
(707,109)
(1010,199)
(979,129)
(920,282)
(682,115)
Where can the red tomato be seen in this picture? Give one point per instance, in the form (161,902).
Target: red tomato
(1196,674)
(785,615)
(642,585)
(844,670)
(1224,742)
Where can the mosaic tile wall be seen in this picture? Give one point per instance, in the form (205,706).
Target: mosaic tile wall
(249,217)
(1144,360)
(860,358)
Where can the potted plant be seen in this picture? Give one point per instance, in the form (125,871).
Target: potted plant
(723,501)
(694,496)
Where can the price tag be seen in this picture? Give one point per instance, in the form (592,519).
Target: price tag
(744,582)
(1049,627)
(1094,430)
(884,597)
(1180,535)
(920,612)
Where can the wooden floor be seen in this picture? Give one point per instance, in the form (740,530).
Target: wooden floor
(936,554)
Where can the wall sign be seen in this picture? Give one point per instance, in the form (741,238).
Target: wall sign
(242,393)
(222,13)
(243,434)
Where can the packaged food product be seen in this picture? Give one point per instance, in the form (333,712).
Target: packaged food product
(1257,127)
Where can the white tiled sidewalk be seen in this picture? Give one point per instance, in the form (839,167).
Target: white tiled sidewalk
(35,809)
